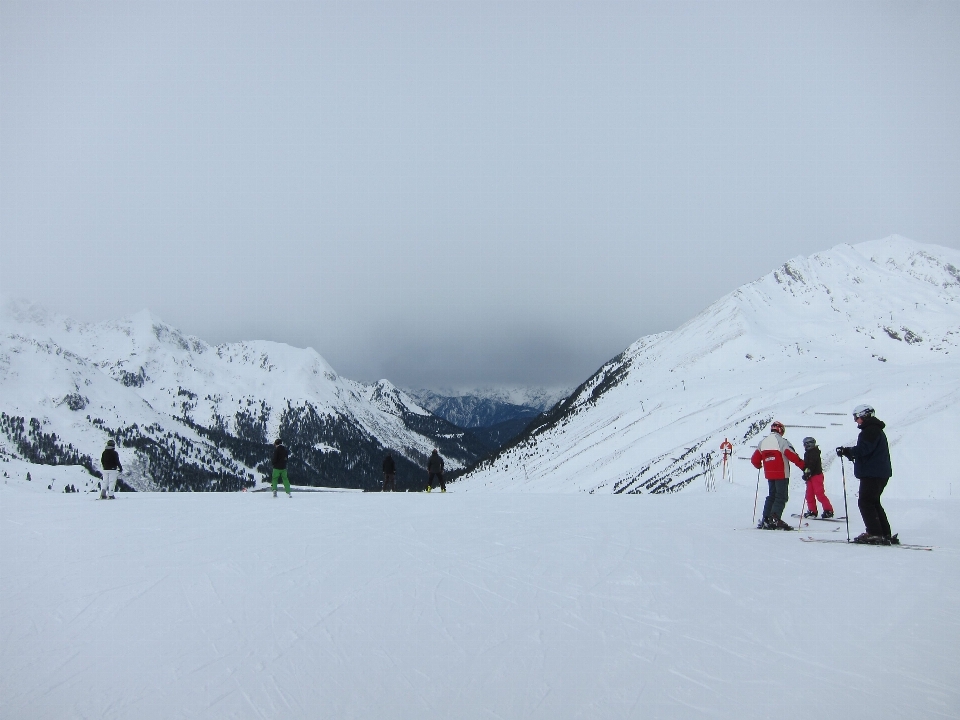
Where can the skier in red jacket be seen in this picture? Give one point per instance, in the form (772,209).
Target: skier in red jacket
(775,453)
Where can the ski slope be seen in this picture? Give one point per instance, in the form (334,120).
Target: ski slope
(468,605)
(877,322)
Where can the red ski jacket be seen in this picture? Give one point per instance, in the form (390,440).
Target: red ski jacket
(773,452)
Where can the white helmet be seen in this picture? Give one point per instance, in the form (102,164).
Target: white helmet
(861,411)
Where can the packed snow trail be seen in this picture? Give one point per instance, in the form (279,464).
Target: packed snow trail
(475,605)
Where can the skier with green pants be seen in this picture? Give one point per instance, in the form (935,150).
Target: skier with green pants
(280,467)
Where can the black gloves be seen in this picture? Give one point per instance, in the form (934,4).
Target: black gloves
(840,452)
(845,452)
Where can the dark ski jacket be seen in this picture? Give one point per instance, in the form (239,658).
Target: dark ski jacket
(280,457)
(436,463)
(389,466)
(110,460)
(812,463)
(871,456)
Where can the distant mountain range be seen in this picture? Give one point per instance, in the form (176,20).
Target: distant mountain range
(877,322)
(493,415)
(191,416)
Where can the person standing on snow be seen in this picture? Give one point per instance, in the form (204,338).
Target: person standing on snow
(280,467)
(435,469)
(774,454)
(389,473)
(110,462)
(813,476)
(871,465)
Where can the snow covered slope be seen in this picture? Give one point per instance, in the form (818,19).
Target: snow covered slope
(192,416)
(877,322)
(467,606)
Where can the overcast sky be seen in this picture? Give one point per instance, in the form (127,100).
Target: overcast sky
(460,193)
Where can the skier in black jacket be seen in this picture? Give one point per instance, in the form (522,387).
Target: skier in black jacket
(871,465)
(110,462)
(435,470)
(280,467)
(389,473)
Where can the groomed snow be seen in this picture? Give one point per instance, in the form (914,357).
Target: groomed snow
(468,605)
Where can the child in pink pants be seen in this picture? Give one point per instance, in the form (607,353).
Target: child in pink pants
(813,475)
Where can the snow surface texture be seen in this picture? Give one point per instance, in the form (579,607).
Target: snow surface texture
(179,397)
(878,322)
(467,605)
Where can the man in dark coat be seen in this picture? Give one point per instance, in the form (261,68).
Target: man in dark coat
(389,473)
(280,467)
(871,465)
(435,470)
(110,462)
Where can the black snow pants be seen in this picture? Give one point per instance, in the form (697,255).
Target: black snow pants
(438,476)
(778,494)
(874,518)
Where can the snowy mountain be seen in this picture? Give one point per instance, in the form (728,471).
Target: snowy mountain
(189,415)
(494,416)
(486,406)
(877,322)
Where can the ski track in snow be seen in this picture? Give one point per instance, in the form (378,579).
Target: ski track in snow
(467,605)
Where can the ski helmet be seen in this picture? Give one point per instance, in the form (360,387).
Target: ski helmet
(111,443)
(809,442)
(861,411)
(778,427)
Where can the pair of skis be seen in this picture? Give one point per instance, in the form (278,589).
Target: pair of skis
(905,546)
(833,519)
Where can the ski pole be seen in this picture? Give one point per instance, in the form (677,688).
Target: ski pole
(803,504)
(756,495)
(843,474)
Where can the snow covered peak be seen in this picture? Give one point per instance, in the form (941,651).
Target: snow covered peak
(144,381)
(876,322)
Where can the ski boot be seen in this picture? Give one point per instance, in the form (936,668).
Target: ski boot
(812,514)
(428,488)
(274,493)
(893,540)
(767,524)
(103,494)
(781,525)
(290,496)
(866,538)
(827,514)
(443,489)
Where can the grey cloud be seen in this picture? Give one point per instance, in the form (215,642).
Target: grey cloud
(554,179)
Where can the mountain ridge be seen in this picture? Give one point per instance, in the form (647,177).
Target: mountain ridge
(159,391)
(813,336)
